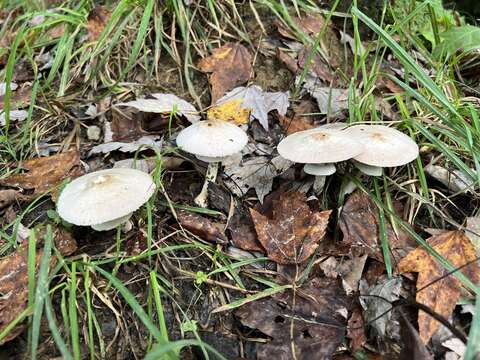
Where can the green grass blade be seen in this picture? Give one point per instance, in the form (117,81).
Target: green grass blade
(473,345)
(72,313)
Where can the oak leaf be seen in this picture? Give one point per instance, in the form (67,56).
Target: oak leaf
(442,295)
(292,232)
(230,65)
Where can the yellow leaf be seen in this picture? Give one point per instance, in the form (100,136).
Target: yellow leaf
(230,111)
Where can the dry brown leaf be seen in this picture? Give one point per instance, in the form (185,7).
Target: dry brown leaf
(19,98)
(97,20)
(356,330)
(359,222)
(442,295)
(7,197)
(201,226)
(230,65)
(299,122)
(14,284)
(291,234)
(242,231)
(45,173)
(308,322)
(230,111)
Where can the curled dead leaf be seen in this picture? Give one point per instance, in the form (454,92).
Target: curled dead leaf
(201,226)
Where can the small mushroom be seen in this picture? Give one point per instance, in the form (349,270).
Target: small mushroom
(382,147)
(319,148)
(105,199)
(211,141)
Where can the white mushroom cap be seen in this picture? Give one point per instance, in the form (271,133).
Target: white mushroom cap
(104,195)
(383,146)
(368,169)
(210,159)
(212,138)
(318,146)
(320,169)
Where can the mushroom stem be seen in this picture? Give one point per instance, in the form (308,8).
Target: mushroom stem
(318,184)
(202,198)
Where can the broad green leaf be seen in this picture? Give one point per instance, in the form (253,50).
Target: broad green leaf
(461,38)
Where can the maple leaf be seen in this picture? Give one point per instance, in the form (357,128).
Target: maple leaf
(230,65)
(45,173)
(292,233)
(442,295)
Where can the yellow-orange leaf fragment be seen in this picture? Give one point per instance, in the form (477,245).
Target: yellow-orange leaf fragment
(230,111)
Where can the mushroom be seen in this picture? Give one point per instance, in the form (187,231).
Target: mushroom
(211,141)
(319,148)
(382,147)
(104,199)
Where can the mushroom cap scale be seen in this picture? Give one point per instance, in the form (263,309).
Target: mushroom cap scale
(104,195)
(319,146)
(383,146)
(212,138)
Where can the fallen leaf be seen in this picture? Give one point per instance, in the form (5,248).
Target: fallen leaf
(230,111)
(473,232)
(299,121)
(19,98)
(442,295)
(329,100)
(257,172)
(258,102)
(3,87)
(165,104)
(454,180)
(97,20)
(14,284)
(7,197)
(359,222)
(356,330)
(242,231)
(413,347)
(145,143)
(308,322)
(229,65)
(201,226)
(15,115)
(456,345)
(377,300)
(292,232)
(44,173)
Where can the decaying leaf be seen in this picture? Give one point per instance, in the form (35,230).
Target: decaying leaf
(257,102)
(257,172)
(329,100)
(377,301)
(201,226)
(229,65)
(454,180)
(442,295)
(3,87)
(230,111)
(7,197)
(242,231)
(310,325)
(97,20)
(292,232)
(165,104)
(19,98)
(359,222)
(413,347)
(15,115)
(473,232)
(299,121)
(45,173)
(356,330)
(14,284)
(145,142)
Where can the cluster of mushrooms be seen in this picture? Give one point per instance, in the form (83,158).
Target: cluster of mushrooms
(116,193)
